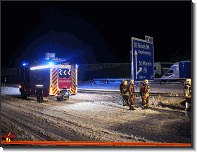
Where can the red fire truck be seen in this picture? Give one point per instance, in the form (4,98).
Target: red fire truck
(58,81)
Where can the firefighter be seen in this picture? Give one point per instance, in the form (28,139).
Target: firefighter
(132,96)
(187,91)
(123,80)
(144,93)
(124,89)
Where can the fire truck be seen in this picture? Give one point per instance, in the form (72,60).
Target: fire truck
(52,80)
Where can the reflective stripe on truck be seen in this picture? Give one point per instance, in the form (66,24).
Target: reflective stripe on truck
(54,81)
(73,89)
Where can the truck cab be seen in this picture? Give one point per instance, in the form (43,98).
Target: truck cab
(172,73)
(178,70)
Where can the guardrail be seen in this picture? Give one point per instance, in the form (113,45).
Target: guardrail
(170,81)
(9,85)
(107,81)
(137,93)
(156,81)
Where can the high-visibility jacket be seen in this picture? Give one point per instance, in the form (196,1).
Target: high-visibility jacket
(144,89)
(187,91)
(124,89)
(131,88)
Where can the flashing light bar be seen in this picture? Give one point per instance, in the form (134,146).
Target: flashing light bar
(39,85)
(51,64)
(40,67)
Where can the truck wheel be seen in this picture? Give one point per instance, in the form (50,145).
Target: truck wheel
(60,98)
(23,95)
(39,98)
(39,95)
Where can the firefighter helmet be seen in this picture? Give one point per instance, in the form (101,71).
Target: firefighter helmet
(125,82)
(132,81)
(145,81)
(188,81)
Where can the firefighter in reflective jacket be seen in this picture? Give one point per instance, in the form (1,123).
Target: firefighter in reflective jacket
(187,91)
(144,92)
(124,89)
(123,80)
(132,96)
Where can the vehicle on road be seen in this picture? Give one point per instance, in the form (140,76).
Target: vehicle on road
(58,81)
(161,68)
(178,70)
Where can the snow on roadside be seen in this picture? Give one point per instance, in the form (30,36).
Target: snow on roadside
(93,115)
(10,91)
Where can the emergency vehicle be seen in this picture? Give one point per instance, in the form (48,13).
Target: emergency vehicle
(52,80)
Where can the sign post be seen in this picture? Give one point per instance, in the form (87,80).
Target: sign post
(142,60)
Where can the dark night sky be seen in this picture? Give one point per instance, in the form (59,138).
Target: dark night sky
(93,32)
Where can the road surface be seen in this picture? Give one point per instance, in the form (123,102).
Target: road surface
(94,117)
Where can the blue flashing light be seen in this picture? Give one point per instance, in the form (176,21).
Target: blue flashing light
(51,64)
(24,64)
(76,66)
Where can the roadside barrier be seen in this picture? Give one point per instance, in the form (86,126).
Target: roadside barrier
(156,81)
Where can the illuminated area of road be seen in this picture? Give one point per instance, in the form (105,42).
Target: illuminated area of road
(96,116)
(81,106)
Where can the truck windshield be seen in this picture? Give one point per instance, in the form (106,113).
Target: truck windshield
(170,72)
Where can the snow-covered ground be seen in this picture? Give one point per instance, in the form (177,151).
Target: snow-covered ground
(94,117)
(10,91)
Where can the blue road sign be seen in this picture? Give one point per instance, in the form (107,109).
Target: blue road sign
(142,60)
